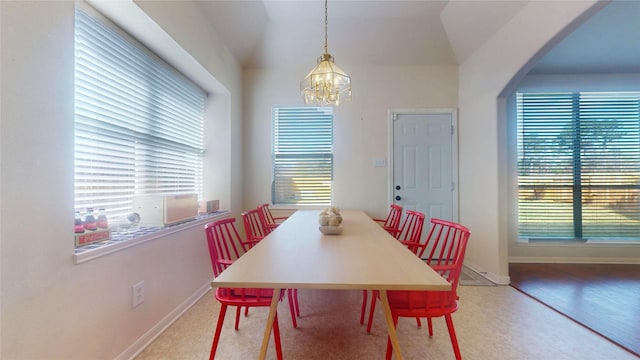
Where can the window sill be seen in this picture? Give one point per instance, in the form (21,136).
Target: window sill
(572,242)
(121,240)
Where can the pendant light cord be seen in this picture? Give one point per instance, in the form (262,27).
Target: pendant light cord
(326,51)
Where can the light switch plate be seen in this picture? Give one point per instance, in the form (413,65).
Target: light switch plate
(379,162)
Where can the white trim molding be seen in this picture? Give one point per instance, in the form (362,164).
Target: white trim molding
(139,345)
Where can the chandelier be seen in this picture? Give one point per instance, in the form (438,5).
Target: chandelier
(326,84)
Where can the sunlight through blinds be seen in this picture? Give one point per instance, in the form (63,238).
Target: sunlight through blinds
(138,122)
(302,155)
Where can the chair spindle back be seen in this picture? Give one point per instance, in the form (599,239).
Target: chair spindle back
(253,227)
(224,244)
(411,231)
(445,248)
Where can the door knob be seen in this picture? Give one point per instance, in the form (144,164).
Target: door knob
(398,197)
(397,187)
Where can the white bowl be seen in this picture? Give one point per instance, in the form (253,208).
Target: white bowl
(331,230)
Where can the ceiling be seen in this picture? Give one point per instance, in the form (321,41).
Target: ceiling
(285,33)
(607,42)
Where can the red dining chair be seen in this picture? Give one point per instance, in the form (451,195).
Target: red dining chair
(409,234)
(268,220)
(255,231)
(253,228)
(225,246)
(392,222)
(446,254)
(269,223)
(392,225)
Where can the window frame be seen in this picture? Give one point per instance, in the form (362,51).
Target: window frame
(199,149)
(287,149)
(515,136)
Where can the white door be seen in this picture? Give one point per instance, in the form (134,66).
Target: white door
(424,170)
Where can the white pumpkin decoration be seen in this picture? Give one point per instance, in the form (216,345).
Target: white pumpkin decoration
(323,220)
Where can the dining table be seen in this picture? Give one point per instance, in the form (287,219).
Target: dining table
(363,256)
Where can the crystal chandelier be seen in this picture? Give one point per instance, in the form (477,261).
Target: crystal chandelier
(326,84)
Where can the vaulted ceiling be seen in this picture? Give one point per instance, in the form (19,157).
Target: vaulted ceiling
(285,33)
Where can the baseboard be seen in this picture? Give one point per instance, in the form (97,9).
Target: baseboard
(496,279)
(571,260)
(139,345)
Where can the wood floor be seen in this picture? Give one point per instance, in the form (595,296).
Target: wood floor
(603,297)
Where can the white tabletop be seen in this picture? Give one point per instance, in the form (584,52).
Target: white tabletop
(297,255)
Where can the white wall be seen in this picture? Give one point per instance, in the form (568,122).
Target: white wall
(54,309)
(360,126)
(51,308)
(503,59)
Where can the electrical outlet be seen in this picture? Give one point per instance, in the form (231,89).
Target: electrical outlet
(137,294)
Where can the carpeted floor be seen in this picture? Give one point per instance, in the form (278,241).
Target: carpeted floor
(604,298)
(471,278)
(494,322)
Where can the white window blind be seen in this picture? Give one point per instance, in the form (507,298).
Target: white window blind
(579,165)
(302,155)
(138,122)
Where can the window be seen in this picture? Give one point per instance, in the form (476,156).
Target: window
(579,166)
(302,156)
(138,122)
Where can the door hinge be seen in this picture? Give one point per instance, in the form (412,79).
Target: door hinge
(453,186)
(452,130)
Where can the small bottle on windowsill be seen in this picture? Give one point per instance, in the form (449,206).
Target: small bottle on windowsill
(102,222)
(90,221)
(78,228)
